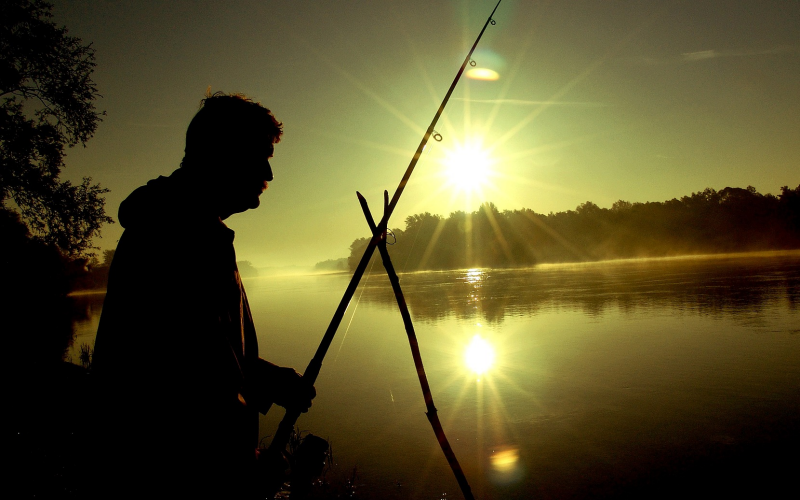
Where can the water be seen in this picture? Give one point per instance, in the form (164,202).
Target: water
(609,379)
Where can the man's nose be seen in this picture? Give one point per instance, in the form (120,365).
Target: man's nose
(268,173)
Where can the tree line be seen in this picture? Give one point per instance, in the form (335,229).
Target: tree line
(708,221)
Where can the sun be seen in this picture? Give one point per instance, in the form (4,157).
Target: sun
(467,168)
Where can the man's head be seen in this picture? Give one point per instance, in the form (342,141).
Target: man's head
(228,145)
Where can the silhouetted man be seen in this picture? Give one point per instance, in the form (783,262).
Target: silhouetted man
(176,358)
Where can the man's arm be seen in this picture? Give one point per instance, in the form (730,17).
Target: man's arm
(270,383)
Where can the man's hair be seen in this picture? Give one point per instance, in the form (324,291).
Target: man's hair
(224,120)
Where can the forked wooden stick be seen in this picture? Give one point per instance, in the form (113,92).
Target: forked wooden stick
(431,413)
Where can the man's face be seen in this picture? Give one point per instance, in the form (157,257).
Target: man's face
(249,173)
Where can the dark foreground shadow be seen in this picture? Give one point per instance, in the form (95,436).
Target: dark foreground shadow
(751,470)
(49,455)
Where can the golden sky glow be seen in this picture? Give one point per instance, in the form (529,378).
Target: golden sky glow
(593,102)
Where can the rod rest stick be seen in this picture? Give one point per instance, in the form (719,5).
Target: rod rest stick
(432,413)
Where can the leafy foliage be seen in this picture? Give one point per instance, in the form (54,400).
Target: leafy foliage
(35,310)
(47,104)
(709,221)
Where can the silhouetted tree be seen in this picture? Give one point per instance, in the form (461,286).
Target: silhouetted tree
(789,207)
(47,104)
(35,310)
(708,221)
(90,273)
(331,265)
(108,256)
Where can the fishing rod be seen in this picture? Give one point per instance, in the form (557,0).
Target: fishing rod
(286,426)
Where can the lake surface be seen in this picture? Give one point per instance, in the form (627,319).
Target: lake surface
(623,378)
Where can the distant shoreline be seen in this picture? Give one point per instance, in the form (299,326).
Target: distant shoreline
(706,256)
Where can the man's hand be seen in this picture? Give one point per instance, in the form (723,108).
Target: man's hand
(290,391)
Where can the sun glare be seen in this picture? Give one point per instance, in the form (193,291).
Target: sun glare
(483,74)
(479,355)
(467,168)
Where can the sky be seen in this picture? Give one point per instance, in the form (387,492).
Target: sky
(590,101)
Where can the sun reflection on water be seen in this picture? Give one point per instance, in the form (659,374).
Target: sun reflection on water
(474,276)
(479,355)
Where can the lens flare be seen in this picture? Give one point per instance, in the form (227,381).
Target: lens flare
(505,465)
(504,461)
(479,355)
(485,74)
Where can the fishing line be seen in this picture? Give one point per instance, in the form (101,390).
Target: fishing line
(363,287)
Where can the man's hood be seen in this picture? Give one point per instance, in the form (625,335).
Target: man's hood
(164,198)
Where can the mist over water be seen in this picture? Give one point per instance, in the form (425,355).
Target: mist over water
(607,379)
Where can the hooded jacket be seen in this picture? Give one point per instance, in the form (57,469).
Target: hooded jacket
(176,356)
